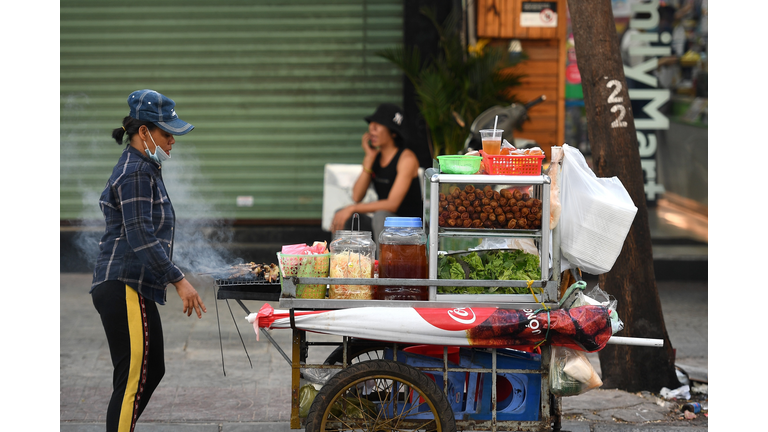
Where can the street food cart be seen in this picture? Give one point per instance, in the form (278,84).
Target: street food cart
(420,374)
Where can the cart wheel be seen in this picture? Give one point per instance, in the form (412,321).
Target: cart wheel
(359,351)
(378,396)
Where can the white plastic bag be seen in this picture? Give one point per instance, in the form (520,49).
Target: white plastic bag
(525,245)
(571,373)
(598,297)
(596,215)
(682,392)
(554,187)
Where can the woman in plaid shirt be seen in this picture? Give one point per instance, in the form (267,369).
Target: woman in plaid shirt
(134,264)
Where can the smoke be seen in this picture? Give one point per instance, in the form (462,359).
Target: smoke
(202,234)
(79,139)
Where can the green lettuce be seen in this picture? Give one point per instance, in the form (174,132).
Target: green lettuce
(489,265)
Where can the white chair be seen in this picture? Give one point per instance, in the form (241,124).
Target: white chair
(338,180)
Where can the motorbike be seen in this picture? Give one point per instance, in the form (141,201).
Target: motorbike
(511,118)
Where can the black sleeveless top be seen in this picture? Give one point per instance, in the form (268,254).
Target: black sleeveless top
(384,178)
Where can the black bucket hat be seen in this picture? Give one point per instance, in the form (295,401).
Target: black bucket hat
(391,116)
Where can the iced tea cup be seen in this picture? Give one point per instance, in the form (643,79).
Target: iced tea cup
(491,141)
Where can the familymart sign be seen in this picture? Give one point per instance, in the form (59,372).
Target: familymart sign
(654,96)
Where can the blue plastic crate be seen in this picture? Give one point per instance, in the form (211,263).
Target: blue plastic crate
(455,393)
(519,395)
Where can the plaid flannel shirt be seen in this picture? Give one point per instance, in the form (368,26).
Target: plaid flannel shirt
(137,245)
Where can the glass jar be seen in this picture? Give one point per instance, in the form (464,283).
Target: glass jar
(352,256)
(403,254)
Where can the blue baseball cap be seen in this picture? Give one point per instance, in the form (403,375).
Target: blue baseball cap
(152,106)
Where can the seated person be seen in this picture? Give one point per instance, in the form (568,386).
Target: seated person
(394,171)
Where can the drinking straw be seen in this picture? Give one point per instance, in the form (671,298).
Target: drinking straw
(495,122)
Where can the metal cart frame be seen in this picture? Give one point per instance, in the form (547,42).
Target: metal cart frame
(549,405)
(549,409)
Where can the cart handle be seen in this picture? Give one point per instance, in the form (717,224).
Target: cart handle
(624,340)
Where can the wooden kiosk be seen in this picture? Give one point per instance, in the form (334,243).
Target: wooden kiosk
(541,28)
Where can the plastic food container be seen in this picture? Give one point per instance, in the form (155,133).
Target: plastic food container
(352,256)
(305,266)
(459,164)
(512,164)
(403,254)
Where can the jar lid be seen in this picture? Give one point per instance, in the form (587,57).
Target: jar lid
(351,233)
(403,222)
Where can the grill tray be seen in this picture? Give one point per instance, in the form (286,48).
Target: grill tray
(248,288)
(243,281)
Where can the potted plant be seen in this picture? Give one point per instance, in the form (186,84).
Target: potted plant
(458,84)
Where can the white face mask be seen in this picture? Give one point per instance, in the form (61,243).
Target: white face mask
(160,155)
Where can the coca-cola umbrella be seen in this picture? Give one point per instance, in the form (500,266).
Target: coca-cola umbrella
(585,328)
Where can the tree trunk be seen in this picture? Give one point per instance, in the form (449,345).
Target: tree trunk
(615,152)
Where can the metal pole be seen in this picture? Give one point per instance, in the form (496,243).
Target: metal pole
(295,379)
(434,192)
(445,370)
(493,390)
(619,340)
(265,332)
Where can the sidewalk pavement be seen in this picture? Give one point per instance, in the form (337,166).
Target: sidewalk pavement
(212,384)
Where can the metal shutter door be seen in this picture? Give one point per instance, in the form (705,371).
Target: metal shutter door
(275,89)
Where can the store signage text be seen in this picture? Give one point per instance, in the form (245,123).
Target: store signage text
(656,97)
(618,108)
(538,14)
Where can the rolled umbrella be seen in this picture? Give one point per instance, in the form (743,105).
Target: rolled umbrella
(585,328)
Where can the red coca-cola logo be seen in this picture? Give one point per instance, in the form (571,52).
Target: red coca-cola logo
(455,319)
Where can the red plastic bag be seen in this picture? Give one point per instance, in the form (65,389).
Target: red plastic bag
(318,248)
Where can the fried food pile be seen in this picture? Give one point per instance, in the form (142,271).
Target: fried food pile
(488,208)
(252,271)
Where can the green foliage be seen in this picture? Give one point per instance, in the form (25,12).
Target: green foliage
(457,85)
(491,265)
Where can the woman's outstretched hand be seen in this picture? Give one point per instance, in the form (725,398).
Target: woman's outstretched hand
(190,298)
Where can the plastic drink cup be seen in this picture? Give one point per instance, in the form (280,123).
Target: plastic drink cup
(491,141)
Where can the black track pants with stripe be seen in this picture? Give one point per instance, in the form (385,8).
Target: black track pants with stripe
(135,337)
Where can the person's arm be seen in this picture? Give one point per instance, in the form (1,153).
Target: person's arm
(135,194)
(360,187)
(364,179)
(407,169)
(136,201)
